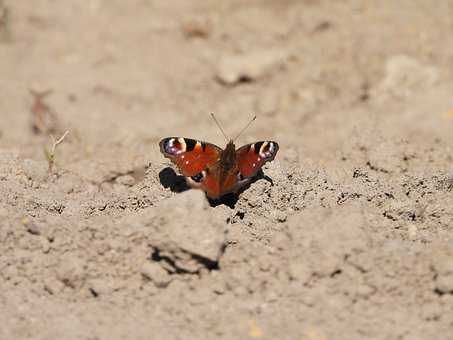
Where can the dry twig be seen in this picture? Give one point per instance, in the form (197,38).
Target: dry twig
(50,155)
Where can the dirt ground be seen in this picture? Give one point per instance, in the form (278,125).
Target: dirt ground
(349,235)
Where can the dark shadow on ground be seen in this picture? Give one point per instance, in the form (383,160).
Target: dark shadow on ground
(170,179)
(177,183)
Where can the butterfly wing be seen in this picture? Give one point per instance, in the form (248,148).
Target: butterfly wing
(252,157)
(189,155)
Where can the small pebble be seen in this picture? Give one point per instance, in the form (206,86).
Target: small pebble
(299,272)
(126,180)
(31,226)
(53,286)
(101,286)
(248,67)
(155,273)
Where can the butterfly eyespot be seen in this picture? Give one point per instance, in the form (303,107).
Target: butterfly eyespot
(174,146)
(267,149)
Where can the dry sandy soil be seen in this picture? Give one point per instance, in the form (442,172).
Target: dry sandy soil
(349,233)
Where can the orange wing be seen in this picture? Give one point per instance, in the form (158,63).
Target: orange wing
(252,157)
(189,155)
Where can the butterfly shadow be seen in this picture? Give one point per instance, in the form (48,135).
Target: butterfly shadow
(170,179)
(177,183)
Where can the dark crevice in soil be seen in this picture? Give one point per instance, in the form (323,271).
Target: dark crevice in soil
(336,273)
(94,293)
(205,262)
(375,168)
(157,257)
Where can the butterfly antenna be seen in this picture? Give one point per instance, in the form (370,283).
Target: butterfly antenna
(245,128)
(220,127)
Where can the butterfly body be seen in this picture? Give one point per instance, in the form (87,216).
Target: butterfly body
(217,171)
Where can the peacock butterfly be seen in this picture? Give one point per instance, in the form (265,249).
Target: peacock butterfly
(215,170)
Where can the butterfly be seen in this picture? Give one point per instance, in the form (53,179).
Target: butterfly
(215,170)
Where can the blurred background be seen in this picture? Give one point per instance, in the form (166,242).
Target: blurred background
(351,236)
(122,75)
